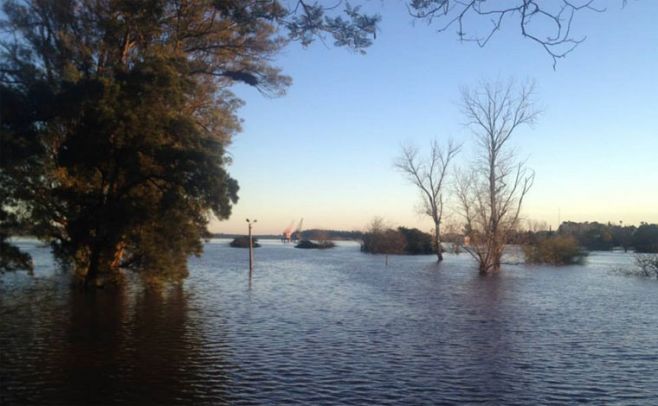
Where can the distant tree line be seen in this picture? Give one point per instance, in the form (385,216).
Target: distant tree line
(595,236)
(320,234)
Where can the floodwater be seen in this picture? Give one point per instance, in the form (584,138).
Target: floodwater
(334,327)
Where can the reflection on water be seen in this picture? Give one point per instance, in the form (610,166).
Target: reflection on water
(107,346)
(334,326)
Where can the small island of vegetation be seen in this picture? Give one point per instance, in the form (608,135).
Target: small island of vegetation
(243,242)
(308,244)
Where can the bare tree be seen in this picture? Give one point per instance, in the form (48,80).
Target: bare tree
(491,193)
(429,175)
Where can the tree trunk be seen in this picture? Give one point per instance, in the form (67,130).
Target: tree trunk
(93,267)
(437,242)
(102,265)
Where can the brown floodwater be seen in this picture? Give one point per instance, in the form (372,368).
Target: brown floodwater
(333,327)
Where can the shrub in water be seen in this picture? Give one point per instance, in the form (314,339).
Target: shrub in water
(557,250)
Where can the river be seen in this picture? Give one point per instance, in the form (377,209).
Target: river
(333,327)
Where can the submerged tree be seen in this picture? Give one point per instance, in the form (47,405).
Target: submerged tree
(491,193)
(116,116)
(429,176)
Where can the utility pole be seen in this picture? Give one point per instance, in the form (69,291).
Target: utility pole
(251,247)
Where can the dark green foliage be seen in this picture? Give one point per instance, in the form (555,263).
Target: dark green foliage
(416,241)
(308,244)
(243,242)
(645,238)
(354,32)
(554,250)
(19,163)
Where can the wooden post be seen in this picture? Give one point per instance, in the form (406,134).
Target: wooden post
(251,249)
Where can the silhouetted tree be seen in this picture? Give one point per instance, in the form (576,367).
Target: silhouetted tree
(491,194)
(429,175)
(123,112)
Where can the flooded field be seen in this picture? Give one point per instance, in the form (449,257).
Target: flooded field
(334,327)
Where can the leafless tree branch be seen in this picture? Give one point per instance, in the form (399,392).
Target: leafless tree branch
(546,22)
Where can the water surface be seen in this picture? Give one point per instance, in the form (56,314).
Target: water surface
(334,326)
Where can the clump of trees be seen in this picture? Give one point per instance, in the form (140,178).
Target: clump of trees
(554,250)
(418,242)
(380,239)
(243,242)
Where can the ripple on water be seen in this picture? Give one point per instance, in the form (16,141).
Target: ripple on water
(331,327)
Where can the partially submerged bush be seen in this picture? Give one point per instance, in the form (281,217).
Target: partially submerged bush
(243,242)
(647,265)
(556,250)
(308,244)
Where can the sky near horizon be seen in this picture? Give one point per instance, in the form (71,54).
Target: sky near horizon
(324,151)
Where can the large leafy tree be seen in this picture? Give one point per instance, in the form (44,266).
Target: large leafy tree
(116,115)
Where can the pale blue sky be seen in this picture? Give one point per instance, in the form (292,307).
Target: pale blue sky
(324,151)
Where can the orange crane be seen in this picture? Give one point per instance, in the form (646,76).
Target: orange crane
(286,236)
